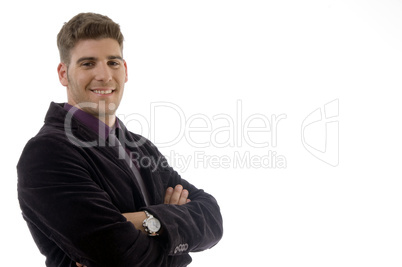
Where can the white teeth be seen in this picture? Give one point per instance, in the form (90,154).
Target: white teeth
(103,92)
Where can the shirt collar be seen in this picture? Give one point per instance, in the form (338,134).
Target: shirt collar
(91,121)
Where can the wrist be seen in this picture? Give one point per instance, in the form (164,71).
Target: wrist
(152,225)
(137,219)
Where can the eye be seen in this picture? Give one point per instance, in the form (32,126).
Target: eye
(88,64)
(113,63)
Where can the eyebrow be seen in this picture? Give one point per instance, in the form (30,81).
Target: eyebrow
(95,59)
(115,57)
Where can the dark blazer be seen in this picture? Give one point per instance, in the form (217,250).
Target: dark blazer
(72,198)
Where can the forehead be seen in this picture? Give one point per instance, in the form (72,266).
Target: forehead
(96,48)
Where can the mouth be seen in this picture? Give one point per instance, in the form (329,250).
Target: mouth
(102,91)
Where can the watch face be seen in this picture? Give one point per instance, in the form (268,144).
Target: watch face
(154,225)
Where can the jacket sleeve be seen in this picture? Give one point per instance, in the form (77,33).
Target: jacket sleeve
(192,227)
(58,197)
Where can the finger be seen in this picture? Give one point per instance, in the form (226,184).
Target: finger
(188,200)
(168,195)
(183,197)
(174,200)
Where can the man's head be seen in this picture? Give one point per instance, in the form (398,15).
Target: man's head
(86,26)
(92,67)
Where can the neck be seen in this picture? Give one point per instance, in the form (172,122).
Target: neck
(109,120)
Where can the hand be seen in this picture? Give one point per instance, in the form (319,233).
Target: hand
(176,196)
(80,265)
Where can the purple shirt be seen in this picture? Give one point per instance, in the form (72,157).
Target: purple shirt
(91,121)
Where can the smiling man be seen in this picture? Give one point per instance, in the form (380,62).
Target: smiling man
(96,72)
(86,200)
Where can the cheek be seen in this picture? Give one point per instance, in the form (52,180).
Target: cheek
(122,78)
(82,80)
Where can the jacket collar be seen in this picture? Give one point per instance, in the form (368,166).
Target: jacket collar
(76,121)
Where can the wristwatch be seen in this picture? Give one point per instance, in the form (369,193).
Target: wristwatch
(151,224)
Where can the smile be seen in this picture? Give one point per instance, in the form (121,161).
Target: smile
(103,92)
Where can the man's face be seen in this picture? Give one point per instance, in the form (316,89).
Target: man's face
(95,77)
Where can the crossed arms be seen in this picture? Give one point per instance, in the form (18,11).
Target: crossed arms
(70,214)
(173,196)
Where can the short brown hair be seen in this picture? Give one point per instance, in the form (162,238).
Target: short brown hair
(86,26)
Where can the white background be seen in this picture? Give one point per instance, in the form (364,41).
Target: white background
(276,57)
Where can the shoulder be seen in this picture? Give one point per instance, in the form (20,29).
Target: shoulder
(49,146)
(49,158)
(49,138)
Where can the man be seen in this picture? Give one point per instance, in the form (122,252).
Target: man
(93,193)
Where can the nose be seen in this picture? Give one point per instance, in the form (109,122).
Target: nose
(103,72)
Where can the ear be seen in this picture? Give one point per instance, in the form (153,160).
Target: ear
(125,68)
(62,71)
